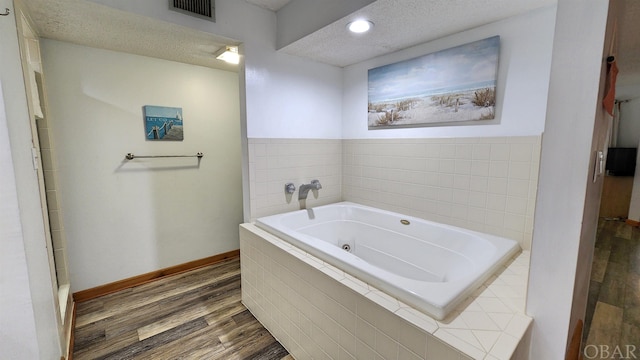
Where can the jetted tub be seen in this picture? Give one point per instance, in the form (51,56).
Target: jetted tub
(428,265)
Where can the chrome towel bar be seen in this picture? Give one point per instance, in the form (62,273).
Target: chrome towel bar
(131,156)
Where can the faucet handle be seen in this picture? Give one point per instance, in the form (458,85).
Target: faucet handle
(289,188)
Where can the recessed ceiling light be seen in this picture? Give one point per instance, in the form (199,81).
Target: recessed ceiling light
(360,26)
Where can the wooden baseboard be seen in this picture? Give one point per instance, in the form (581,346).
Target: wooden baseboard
(573,350)
(632,222)
(98,291)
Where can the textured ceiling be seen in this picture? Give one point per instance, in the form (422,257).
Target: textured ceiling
(273,5)
(86,23)
(403,23)
(398,24)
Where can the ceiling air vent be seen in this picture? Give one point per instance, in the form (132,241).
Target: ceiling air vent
(204,9)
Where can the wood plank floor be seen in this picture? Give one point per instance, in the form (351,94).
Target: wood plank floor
(194,315)
(613,310)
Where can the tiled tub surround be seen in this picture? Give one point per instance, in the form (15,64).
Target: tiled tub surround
(317,311)
(274,162)
(483,184)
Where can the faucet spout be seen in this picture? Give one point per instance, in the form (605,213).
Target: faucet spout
(303,191)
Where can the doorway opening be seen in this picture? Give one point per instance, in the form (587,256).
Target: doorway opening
(45,167)
(613,317)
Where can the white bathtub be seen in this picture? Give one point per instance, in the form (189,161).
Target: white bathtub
(428,265)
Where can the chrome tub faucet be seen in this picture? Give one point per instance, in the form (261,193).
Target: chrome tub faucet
(304,189)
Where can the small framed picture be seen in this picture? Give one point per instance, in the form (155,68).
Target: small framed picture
(163,123)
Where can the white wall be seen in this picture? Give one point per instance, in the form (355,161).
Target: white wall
(629,136)
(568,200)
(124,218)
(523,79)
(634,204)
(286,96)
(282,96)
(631,114)
(625,89)
(17,323)
(289,97)
(629,130)
(28,314)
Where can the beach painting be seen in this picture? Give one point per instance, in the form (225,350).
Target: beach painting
(441,88)
(163,123)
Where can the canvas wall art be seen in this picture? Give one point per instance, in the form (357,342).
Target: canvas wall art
(163,123)
(448,86)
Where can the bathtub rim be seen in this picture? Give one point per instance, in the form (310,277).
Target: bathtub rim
(440,304)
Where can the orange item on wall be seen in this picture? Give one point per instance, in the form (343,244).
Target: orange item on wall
(610,97)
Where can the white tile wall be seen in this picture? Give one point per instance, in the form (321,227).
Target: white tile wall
(319,312)
(274,162)
(56,223)
(483,184)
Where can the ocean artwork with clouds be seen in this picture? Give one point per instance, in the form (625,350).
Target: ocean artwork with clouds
(456,85)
